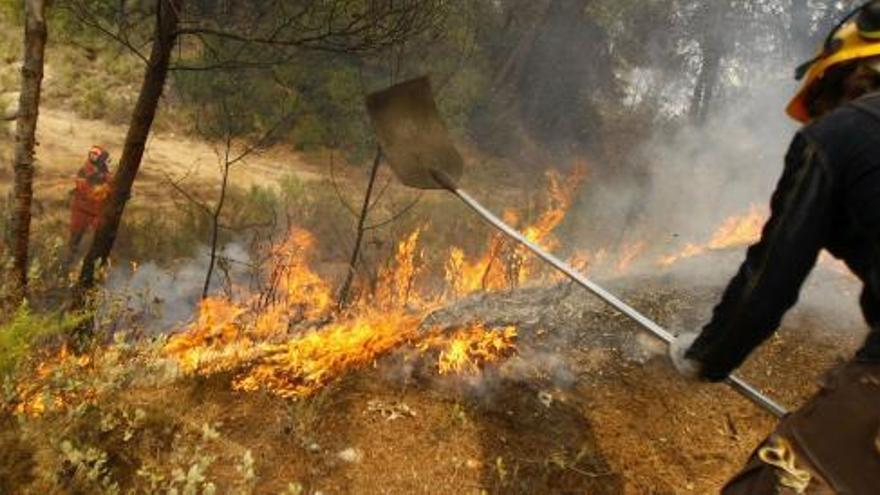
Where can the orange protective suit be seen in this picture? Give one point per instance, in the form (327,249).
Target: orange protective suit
(93,182)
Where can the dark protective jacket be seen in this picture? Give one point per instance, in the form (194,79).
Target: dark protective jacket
(828,197)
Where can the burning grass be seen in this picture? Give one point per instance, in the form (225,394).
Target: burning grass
(253,339)
(734,231)
(505,266)
(283,343)
(291,341)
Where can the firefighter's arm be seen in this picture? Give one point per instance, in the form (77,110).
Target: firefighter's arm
(82,186)
(769,281)
(84,181)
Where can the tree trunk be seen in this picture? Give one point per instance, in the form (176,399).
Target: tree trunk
(35,35)
(707,82)
(512,68)
(167,17)
(215,225)
(365,210)
(712,46)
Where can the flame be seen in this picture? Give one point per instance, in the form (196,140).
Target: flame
(396,286)
(628,255)
(36,397)
(306,364)
(739,231)
(465,277)
(734,231)
(561,196)
(298,287)
(469,349)
(256,340)
(289,339)
(502,266)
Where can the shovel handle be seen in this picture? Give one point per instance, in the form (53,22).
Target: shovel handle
(742,387)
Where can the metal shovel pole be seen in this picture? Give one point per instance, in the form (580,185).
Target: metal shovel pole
(734,382)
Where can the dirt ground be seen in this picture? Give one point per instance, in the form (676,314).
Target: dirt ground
(65,138)
(586,407)
(593,414)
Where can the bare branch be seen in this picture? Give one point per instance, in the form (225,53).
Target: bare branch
(84,16)
(338,192)
(175,184)
(336,26)
(397,216)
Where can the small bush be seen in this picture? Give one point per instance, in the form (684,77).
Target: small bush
(91,102)
(145,236)
(25,329)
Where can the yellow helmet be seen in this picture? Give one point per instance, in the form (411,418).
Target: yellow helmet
(850,41)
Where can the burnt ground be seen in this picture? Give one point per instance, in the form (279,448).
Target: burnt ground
(588,406)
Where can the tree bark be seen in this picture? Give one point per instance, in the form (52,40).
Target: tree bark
(215,223)
(712,45)
(515,63)
(707,82)
(167,18)
(35,35)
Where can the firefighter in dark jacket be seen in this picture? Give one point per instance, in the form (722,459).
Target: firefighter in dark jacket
(828,198)
(92,188)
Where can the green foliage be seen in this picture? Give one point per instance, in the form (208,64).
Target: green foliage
(92,101)
(317,99)
(257,206)
(12,10)
(145,236)
(322,93)
(96,78)
(315,206)
(89,469)
(102,440)
(97,85)
(26,328)
(9,76)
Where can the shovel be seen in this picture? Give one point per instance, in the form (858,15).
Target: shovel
(416,144)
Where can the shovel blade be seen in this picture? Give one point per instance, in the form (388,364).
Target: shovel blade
(413,137)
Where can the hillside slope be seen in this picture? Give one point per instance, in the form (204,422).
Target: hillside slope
(586,406)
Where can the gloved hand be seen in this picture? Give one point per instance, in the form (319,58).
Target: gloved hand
(100,193)
(688,368)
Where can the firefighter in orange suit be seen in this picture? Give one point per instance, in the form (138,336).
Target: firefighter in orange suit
(93,181)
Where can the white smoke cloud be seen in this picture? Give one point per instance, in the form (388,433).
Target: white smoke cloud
(698,175)
(166,297)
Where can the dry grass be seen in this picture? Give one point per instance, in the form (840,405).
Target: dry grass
(614,425)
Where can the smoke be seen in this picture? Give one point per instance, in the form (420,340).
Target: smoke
(166,297)
(695,177)
(688,180)
(701,174)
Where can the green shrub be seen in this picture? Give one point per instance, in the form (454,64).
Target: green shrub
(11,10)
(145,236)
(25,329)
(91,102)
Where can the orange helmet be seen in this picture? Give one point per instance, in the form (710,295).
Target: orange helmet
(98,155)
(849,41)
